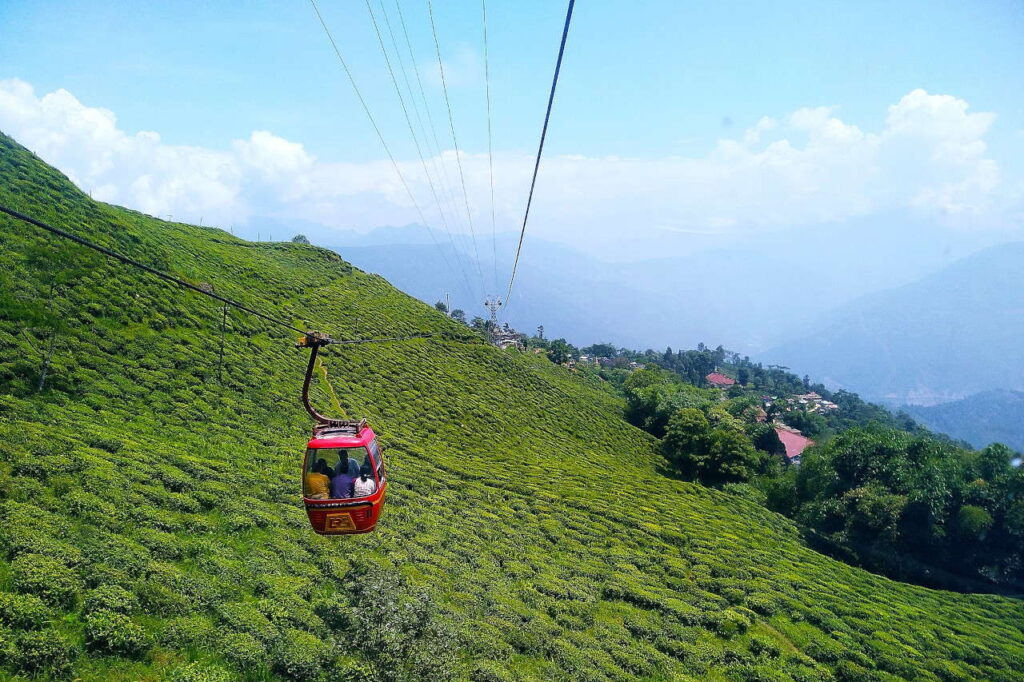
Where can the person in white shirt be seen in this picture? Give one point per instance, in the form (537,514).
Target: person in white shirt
(364,485)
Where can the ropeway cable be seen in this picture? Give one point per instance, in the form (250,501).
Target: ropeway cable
(540,149)
(226,301)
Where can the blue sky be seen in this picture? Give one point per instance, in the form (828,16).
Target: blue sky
(641,79)
(659,84)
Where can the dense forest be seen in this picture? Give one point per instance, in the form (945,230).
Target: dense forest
(151,525)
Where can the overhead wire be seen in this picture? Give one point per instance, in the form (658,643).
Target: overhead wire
(380,135)
(423,97)
(455,140)
(490,149)
(412,133)
(142,266)
(436,156)
(540,149)
(127,260)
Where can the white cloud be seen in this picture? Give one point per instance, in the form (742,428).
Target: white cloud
(805,167)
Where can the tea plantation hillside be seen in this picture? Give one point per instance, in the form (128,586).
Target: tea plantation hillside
(151,526)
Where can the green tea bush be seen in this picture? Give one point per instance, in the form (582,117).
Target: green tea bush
(51,580)
(161,545)
(300,655)
(246,617)
(242,649)
(160,599)
(46,651)
(199,672)
(102,574)
(116,633)
(731,622)
(23,611)
(111,598)
(188,631)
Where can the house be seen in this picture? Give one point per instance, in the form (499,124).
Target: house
(719,380)
(794,442)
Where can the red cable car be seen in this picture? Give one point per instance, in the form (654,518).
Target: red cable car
(343,478)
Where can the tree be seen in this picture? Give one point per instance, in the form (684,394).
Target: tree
(479,324)
(766,439)
(810,424)
(686,441)
(716,452)
(459,314)
(601,350)
(744,376)
(540,332)
(300,239)
(560,351)
(441,307)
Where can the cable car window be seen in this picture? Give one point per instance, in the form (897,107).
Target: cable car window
(377,459)
(336,473)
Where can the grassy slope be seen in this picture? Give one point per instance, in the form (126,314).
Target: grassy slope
(530,511)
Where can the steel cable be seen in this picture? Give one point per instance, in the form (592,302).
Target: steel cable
(455,140)
(200,290)
(380,136)
(540,149)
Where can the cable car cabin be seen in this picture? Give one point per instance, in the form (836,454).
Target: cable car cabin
(343,483)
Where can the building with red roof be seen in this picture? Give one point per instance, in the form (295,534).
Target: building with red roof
(719,380)
(794,441)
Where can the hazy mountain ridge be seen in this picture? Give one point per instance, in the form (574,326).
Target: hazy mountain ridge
(745,295)
(952,334)
(980,419)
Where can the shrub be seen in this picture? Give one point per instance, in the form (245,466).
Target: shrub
(847,671)
(44,651)
(107,631)
(765,646)
(199,672)
(53,581)
(246,617)
(110,598)
(160,599)
(23,611)
(824,650)
(242,649)
(357,670)
(187,631)
(731,622)
(300,655)
(762,603)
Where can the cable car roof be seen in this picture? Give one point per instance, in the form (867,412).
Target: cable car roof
(350,434)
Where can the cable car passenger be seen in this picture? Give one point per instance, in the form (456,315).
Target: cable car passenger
(318,480)
(364,485)
(341,483)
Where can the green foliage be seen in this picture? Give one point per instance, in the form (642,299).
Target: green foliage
(300,655)
(400,631)
(51,580)
(111,598)
(199,672)
(715,453)
(894,493)
(242,649)
(507,550)
(23,611)
(43,652)
(112,632)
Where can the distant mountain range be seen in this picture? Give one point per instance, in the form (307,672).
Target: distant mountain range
(954,333)
(988,417)
(747,298)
